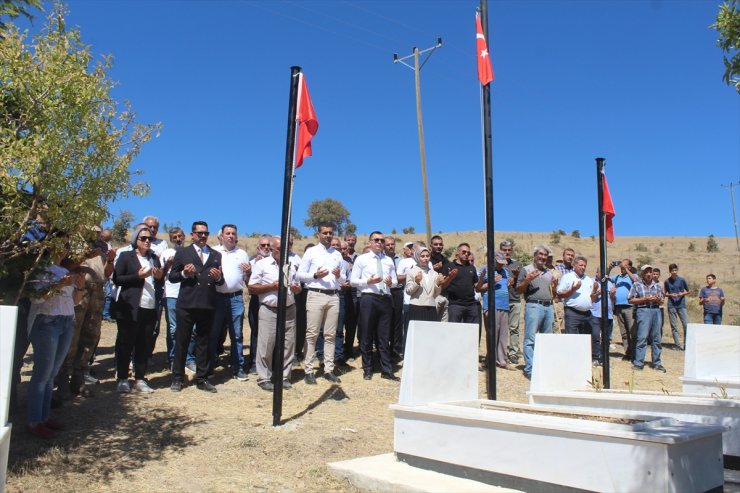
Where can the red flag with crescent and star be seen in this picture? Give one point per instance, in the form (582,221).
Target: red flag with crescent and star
(485,70)
(308,124)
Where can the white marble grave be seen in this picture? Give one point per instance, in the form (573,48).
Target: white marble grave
(712,361)
(561,361)
(513,445)
(440,363)
(564,388)
(8,316)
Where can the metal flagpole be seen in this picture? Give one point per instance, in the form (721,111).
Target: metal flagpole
(491,338)
(604,281)
(283,279)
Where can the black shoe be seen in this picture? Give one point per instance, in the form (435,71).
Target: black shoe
(528,376)
(332,377)
(310,379)
(389,376)
(637,367)
(368,375)
(206,386)
(267,385)
(514,359)
(287,385)
(176,386)
(660,368)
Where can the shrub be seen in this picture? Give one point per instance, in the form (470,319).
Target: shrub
(692,246)
(640,247)
(712,245)
(575,233)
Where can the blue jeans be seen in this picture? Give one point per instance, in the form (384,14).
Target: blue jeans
(229,310)
(713,318)
(596,337)
(108,300)
(50,337)
(648,322)
(673,314)
(537,318)
(171,318)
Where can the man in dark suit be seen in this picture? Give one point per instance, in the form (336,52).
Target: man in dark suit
(198,270)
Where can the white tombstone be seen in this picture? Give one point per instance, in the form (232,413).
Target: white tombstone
(440,363)
(712,361)
(561,362)
(8,316)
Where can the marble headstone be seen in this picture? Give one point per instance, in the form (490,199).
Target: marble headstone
(562,362)
(440,363)
(8,316)
(712,351)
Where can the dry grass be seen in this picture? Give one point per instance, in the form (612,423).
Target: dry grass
(196,442)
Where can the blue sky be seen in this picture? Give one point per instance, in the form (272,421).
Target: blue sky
(636,82)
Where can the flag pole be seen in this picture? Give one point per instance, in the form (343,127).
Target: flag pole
(278,358)
(604,280)
(491,338)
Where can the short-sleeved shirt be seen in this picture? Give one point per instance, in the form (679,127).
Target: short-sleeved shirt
(461,291)
(539,288)
(677,286)
(513,295)
(712,300)
(640,290)
(580,299)
(596,307)
(624,285)
(501,291)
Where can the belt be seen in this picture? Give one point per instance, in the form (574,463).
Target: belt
(273,308)
(582,312)
(540,302)
(397,288)
(378,295)
(325,291)
(623,306)
(234,294)
(648,306)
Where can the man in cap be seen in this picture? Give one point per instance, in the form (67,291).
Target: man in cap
(647,297)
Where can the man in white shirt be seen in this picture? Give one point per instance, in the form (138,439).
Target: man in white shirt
(171,290)
(264,284)
(158,247)
(576,290)
(404,265)
(263,251)
(374,274)
(230,302)
(321,273)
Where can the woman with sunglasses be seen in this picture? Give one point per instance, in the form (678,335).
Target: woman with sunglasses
(139,275)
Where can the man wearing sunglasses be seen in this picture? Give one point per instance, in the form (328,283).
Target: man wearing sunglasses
(462,307)
(198,270)
(374,274)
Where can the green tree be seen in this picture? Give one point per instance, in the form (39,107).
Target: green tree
(120,227)
(692,246)
(575,233)
(712,245)
(555,237)
(295,233)
(15,8)
(728,27)
(409,230)
(65,145)
(329,211)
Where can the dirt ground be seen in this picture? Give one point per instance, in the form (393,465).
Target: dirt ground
(199,442)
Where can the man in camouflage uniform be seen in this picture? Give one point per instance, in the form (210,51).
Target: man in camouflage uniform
(88,319)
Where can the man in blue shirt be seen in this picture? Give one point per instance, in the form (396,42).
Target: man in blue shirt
(676,289)
(501,305)
(623,310)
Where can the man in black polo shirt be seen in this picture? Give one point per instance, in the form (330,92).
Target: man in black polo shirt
(438,262)
(461,291)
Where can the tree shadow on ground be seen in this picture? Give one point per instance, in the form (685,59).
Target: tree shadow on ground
(106,435)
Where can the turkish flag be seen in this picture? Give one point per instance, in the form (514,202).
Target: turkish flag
(485,71)
(308,125)
(608,209)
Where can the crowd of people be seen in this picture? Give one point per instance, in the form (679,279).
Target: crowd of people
(338,293)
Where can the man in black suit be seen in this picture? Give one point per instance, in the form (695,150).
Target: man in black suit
(198,270)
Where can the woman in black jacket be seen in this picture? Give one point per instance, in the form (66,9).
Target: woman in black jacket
(138,273)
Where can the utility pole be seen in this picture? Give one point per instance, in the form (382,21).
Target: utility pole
(417,69)
(734,217)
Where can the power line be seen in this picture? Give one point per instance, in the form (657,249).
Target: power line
(734,217)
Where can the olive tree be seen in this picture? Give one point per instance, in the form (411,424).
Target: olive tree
(332,212)
(728,27)
(66,146)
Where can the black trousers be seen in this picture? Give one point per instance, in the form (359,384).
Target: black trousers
(577,321)
(253,316)
(350,322)
(202,320)
(466,314)
(376,314)
(135,335)
(300,323)
(397,321)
